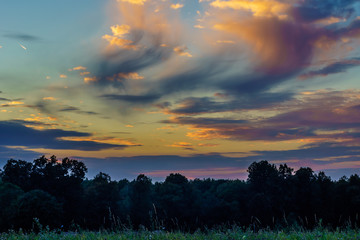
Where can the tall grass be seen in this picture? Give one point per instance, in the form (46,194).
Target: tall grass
(230,234)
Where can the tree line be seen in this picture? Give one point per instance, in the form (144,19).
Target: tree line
(55,193)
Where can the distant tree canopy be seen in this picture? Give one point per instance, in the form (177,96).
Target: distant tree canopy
(56,194)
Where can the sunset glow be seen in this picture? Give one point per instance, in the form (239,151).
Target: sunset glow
(203,88)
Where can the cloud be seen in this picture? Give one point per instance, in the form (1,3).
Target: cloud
(50,106)
(77,110)
(267,44)
(5,99)
(182,51)
(78,68)
(203,105)
(311,116)
(259,8)
(136,2)
(136,45)
(177,6)
(125,76)
(280,47)
(282,43)
(184,145)
(21,37)
(14,133)
(49,98)
(313,10)
(326,153)
(337,67)
(90,79)
(12,103)
(141,99)
(117,39)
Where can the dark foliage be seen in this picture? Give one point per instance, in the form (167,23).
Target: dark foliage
(55,193)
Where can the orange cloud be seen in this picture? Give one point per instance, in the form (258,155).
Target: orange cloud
(13,103)
(90,79)
(176,6)
(225,41)
(63,76)
(278,46)
(206,134)
(117,39)
(77,68)
(330,20)
(207,145)
(136,2)
(156,29)
(120,30)
(49,98)
(182,145)
(199,26)
(182,51)
(121,76)
(259,8)
(123,43)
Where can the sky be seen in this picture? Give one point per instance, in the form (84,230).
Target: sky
(198,87)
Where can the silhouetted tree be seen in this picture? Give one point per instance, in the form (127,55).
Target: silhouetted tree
(17,172)
(175,198)
(9,195)
(141,201)
(56,193)
(37,204)
(101,196)
(265,195)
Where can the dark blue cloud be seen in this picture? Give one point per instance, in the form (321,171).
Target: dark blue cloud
(21,37)
(309,153)
(204,121)
(76,110)
(52,109)
(199,105)
(139,99)
(337,67)
(128,61)
(13,133)
(312,10)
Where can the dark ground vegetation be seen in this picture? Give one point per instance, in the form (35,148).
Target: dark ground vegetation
(55,193)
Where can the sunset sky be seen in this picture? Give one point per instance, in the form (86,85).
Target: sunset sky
(199,87)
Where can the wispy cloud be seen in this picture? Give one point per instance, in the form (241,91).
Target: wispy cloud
(336,67)
(21,37)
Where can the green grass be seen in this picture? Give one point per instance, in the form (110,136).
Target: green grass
(212,235)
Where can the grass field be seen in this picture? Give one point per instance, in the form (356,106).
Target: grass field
(213,235)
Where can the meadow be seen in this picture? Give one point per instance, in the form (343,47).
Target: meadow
(232,234)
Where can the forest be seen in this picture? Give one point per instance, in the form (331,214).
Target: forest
(56,193)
